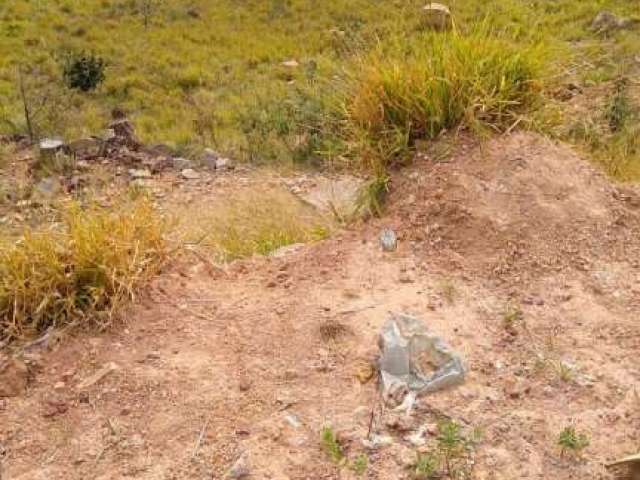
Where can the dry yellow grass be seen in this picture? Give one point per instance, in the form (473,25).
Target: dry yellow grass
(80,270)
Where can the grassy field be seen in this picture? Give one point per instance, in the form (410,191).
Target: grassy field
(194,72)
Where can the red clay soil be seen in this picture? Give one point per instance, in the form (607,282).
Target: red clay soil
(259,357)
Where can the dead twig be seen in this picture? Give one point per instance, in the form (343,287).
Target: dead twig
(199,441)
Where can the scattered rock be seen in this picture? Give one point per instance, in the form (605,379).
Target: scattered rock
(417,438)
(209,158)
(388,240)
(124,133)
(54,407)
(98,376)
(606,22)
(241,468)
(224,164)
(137,174)
(375,442)
(437,17)
(180,163)
(46,189)
(14,377)
(292,419)
(189,174)
(337,196)
(287,250)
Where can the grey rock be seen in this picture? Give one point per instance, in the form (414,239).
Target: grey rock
(180,163)
(209,158)
(241,468)
(51,144)
(375,442)
(189,174)
(388,240)
(606,22)
(47,188)
(292,419)
(437,16)
(139,173)
(224,164)
(414,361)
(337,196)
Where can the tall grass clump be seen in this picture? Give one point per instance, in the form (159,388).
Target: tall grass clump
(420,88)
(79,271)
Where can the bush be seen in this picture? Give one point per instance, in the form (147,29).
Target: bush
(418,90)
(80,272)
(83,72)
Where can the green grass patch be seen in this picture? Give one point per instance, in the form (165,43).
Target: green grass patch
(421,89)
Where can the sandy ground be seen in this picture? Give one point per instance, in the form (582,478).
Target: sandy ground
(212,364)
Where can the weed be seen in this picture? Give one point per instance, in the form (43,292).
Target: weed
(360,465)
(331,445)
(619,111)
(511,317)
(80,272)
(372,195)
(426,466)
(452,448)
(571,441)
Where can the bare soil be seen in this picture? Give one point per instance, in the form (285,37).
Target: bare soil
(258,356)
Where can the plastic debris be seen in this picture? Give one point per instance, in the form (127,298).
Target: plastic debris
(388,240)
(415,362)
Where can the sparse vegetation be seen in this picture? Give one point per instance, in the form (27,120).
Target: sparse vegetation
(80,271)
(449,458)
(360,464)
(331,446)
(571,441)
(511,317)
(353,57)
(256,222)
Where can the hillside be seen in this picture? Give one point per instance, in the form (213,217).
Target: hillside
(297,240)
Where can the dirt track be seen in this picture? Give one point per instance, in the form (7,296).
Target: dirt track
(214,363)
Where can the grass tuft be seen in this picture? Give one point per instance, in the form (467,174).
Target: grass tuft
(423,88)
(80,271)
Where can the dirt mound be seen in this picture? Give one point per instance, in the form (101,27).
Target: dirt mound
(516,208)
(517,253)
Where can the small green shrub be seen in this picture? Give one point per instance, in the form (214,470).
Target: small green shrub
(331,446)
(84,72)
(81,271)
(360,464)
(571,441)
(426,466)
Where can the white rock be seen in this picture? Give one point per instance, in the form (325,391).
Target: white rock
(190,174)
